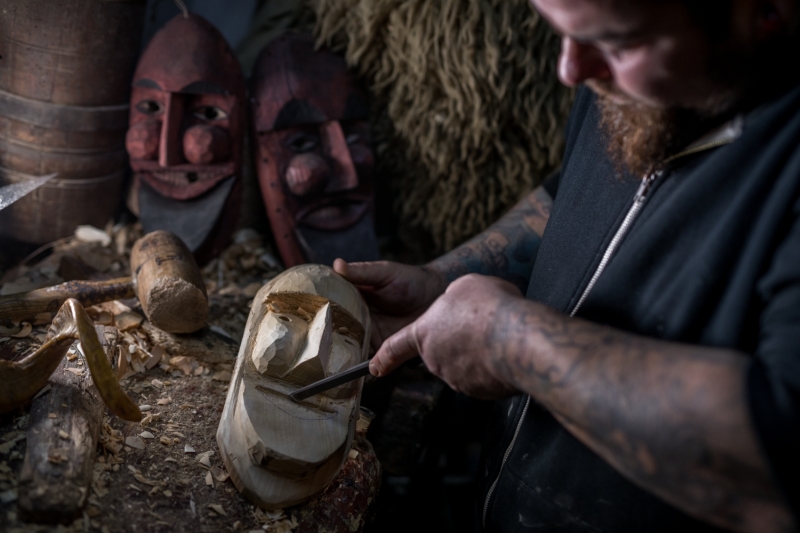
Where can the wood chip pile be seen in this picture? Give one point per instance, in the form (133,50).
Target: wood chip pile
(165,473)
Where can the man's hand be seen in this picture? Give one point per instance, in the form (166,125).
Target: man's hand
(453,337)
(396,294)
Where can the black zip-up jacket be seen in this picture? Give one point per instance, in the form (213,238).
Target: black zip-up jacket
(713,259)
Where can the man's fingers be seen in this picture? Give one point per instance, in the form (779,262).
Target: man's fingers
(395,351)
(375,274)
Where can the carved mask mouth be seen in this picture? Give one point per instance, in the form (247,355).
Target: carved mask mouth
(334,213)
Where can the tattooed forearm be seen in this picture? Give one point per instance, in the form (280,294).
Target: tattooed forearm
(671,417)
(507,249)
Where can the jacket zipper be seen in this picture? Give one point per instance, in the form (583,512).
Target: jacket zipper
(633,212)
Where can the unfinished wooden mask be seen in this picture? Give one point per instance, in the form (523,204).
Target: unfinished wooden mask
(186,132)
(306,324)
(314,157)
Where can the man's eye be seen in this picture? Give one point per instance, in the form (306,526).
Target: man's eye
(210,113)
(150,107)
(301,143)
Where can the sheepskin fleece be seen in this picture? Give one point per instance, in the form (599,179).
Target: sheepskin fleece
(468,112)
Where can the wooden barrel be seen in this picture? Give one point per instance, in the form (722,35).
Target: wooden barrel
(65,75)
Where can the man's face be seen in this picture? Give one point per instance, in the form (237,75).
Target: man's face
(650,53)
(661,81)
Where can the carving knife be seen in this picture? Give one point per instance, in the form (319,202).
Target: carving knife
(11,193)
(353,373)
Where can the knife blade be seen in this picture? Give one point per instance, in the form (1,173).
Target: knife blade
(11,193)
(353,373)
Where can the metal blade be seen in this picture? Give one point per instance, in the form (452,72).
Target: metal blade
(11,193)
(361,369)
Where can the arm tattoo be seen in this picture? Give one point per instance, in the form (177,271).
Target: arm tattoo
(671,417)
(507,249)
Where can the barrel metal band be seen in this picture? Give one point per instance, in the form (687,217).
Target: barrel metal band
(63,117)
(12,176)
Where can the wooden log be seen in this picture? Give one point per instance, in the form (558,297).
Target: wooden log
(62,438)
(27,305)
(168,283)
(280,452)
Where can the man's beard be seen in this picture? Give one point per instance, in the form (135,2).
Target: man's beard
(641,138)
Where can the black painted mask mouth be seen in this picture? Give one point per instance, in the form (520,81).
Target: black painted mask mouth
(333,214)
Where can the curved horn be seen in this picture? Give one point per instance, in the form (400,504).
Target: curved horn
(23,379)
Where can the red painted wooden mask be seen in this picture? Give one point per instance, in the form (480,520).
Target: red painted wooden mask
(314,157)
(186,134)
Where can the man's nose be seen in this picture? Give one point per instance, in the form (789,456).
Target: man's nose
(579,62)
(170,143)
(343,173)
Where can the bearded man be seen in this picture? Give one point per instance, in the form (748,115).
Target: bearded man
(650,378)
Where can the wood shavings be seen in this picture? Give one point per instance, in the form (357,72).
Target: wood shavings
(143,480)
(157,383)
(217,508)
(24,331)
(209,479)
(76,371)
(219,474)
(164,401)
(63,434)
(92,235)
(104,318)
(150,418)
(51,415)
(135,442)
(110,439)
(252,289)
(188,449)
(167,493)
(146,435)
(166,441)
(205,458)
(186,365)
(128,320)
(144,408)
(222,375)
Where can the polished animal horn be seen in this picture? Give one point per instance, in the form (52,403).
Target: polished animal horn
(23,379)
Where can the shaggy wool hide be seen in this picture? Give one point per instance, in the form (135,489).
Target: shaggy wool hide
(468,109)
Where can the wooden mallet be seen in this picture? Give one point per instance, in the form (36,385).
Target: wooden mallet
(164,276)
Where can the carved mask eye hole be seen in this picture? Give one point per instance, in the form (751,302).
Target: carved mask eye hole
(302,142)
(350,341)
(284,318)
(210,113)
(150,107)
